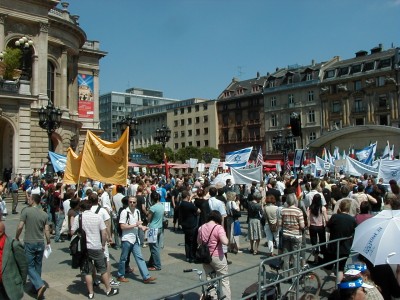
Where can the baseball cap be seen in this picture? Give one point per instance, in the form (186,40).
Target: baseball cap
(153,188)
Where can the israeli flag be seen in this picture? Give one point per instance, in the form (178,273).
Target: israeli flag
(238,159)
(58,161)
(298,158)
(389,169)
(366,155)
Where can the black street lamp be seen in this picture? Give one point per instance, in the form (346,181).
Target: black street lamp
(284,145)
(25,45)
(207,157)
(132,124)
(162,135)
(49,120)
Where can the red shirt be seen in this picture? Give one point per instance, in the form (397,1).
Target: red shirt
(2,243)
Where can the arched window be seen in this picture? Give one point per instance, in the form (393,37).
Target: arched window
(50,80)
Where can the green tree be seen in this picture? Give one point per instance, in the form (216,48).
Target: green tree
(12,60)
(188,152)
(156,153)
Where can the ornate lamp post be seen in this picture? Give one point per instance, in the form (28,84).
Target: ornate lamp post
(133,127)
(285,145)
(207,157)
(25,44)
(49,120)
(162,135)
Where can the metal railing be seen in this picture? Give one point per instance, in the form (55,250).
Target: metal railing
(262,282)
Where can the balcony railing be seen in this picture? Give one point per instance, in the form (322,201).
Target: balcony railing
(254,122)
(358,110)
(383,108)
(9,86)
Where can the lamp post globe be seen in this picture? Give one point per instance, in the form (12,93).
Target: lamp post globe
(133,127)
(284,144)
(162,135)
(25,45)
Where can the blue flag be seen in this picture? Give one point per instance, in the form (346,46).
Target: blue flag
(58,161)
(238,159)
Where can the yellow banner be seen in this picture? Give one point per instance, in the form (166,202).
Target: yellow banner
(104,161)
(72,167)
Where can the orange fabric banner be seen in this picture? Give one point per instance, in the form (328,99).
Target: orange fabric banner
(72,167)
(104,161)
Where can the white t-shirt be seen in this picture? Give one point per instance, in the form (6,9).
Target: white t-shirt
(67,206)
(35,191)
(102,212)
(129,235)
(216,204)
(117,198)
(105,201)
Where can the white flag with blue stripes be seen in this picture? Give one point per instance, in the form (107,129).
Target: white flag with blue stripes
(366,155)
(58,161)
(238,159)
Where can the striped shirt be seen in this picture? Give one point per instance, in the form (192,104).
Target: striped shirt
(292,221)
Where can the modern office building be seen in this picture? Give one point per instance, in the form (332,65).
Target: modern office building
(59,66)
(115,106)
(193,122)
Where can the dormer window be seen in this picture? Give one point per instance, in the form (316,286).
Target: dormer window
(330,74)
(343,71)
(368,66)
(309,76)
(272,83)
(356,69)
(289,79)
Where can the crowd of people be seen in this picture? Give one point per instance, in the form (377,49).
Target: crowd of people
(282,212)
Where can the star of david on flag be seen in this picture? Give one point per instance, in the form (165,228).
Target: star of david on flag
(239,158)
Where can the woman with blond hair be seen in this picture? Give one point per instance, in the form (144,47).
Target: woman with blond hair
(232,211)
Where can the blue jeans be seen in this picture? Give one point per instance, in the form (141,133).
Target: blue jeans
(59,219)
(127,249)
(34,255)
(155,248)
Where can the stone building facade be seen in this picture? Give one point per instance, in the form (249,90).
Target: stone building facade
(360,101)
(240,111)
(58,55)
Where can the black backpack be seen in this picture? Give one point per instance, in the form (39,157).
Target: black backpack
(119,229)
(77,246)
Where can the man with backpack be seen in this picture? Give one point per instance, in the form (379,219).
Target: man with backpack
(130,222)
(98,210)
(96,239)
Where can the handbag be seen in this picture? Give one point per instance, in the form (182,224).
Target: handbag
(236,228)
(236,214)
(203,254)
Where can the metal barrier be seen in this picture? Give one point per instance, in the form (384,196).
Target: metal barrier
(262,284)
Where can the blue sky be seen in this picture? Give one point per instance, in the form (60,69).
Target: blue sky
(193,48)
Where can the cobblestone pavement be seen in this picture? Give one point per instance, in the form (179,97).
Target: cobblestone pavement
(66,283)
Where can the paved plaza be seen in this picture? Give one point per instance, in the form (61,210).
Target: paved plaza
(65,283)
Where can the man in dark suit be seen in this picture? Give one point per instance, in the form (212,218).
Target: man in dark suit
(13,267)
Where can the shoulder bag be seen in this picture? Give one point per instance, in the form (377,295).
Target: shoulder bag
(236,214)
